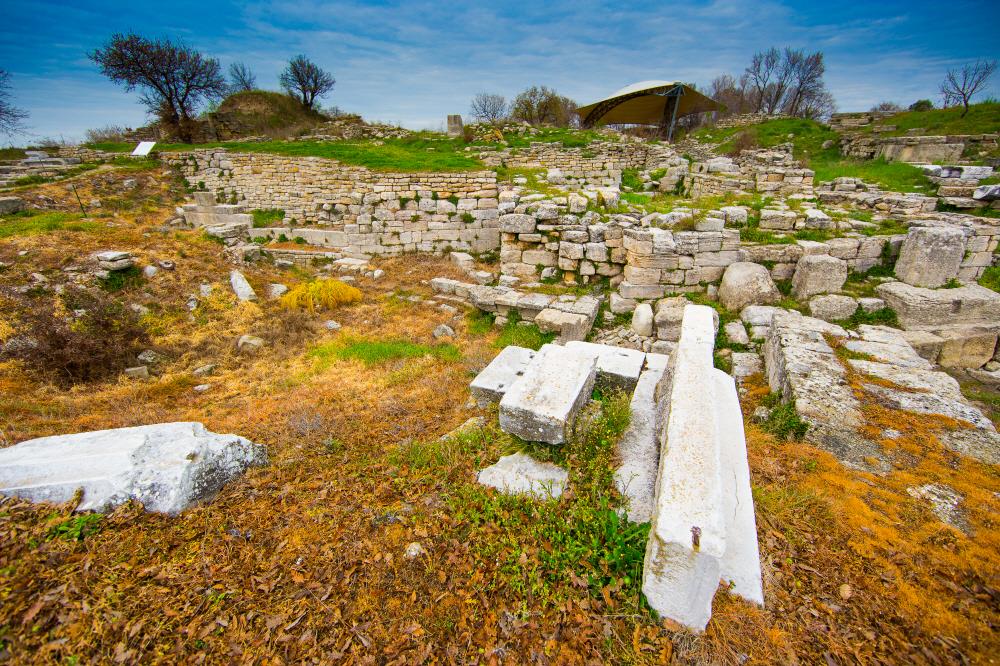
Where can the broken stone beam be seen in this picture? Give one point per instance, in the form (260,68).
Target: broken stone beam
(618,368)
(543,404)
(492,383)
(687,537)
(639,448)
(165,466)
(740,565)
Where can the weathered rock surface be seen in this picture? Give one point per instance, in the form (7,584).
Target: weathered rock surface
(818,274)
(699,532)
(241,287)
(507,367)
(832,307)
(930,256)
(921,308)
(542,405)
(520,474)
(745,283)
(642,319)
(639,446)
(166,466)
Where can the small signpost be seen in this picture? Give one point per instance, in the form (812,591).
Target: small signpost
(143,149)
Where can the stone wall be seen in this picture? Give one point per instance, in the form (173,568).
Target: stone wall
(354,209)
(846,122)
(772,171)
(915,148)
(744,119)
(600,163)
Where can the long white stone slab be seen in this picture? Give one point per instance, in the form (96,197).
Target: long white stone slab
(166,466)
(507,367)
(617,367)
(542,405)
(687,538)
(740,565)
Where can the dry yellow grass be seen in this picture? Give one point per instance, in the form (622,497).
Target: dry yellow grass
(320,294)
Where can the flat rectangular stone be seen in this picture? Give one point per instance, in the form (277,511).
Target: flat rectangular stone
(617,367)
(507,367)
(543,404)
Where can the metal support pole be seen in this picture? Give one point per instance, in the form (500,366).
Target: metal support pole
(673,118)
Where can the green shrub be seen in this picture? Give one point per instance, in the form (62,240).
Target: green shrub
(76,528)
(101,342)
(991,278)
(128,278)
(266,217)
(784,423)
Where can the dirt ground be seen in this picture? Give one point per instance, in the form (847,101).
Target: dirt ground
(302,561)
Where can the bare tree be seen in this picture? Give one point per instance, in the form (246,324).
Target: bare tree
(727,91)
(174,78)
(887,107)
(819,106)
(807,80)
(10,115)
(305,80)
(539,105)
(488,107)
(960,85)
(760,72)
(241,78)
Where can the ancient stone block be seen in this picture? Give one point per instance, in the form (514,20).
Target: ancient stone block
(930,256)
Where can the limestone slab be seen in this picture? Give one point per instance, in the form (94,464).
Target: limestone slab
(166,466)
(543,404)
(520,474)
(617,367)
(507,367)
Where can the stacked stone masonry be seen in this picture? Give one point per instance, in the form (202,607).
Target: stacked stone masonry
(353,209)
(599,163)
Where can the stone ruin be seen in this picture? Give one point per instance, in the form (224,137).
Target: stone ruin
(683,459)
(36,163)
(168,467)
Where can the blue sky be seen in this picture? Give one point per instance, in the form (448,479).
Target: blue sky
(415,62)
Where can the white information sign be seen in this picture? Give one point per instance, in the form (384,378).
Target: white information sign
(142,150)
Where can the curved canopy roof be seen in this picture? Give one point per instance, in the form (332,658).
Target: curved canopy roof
(646,103)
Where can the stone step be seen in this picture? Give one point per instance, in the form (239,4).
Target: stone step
(504,370)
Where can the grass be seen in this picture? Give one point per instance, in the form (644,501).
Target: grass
(322,294)
(420,152)
(266,217)
(569,138)
(889,176)
(880,317)
(782,420)
(983,118)
(514,333)
(478,323)
(33,224)
(991,278)
(128,278)
(372,351)
(543,549)
(76,528)
(12,154)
